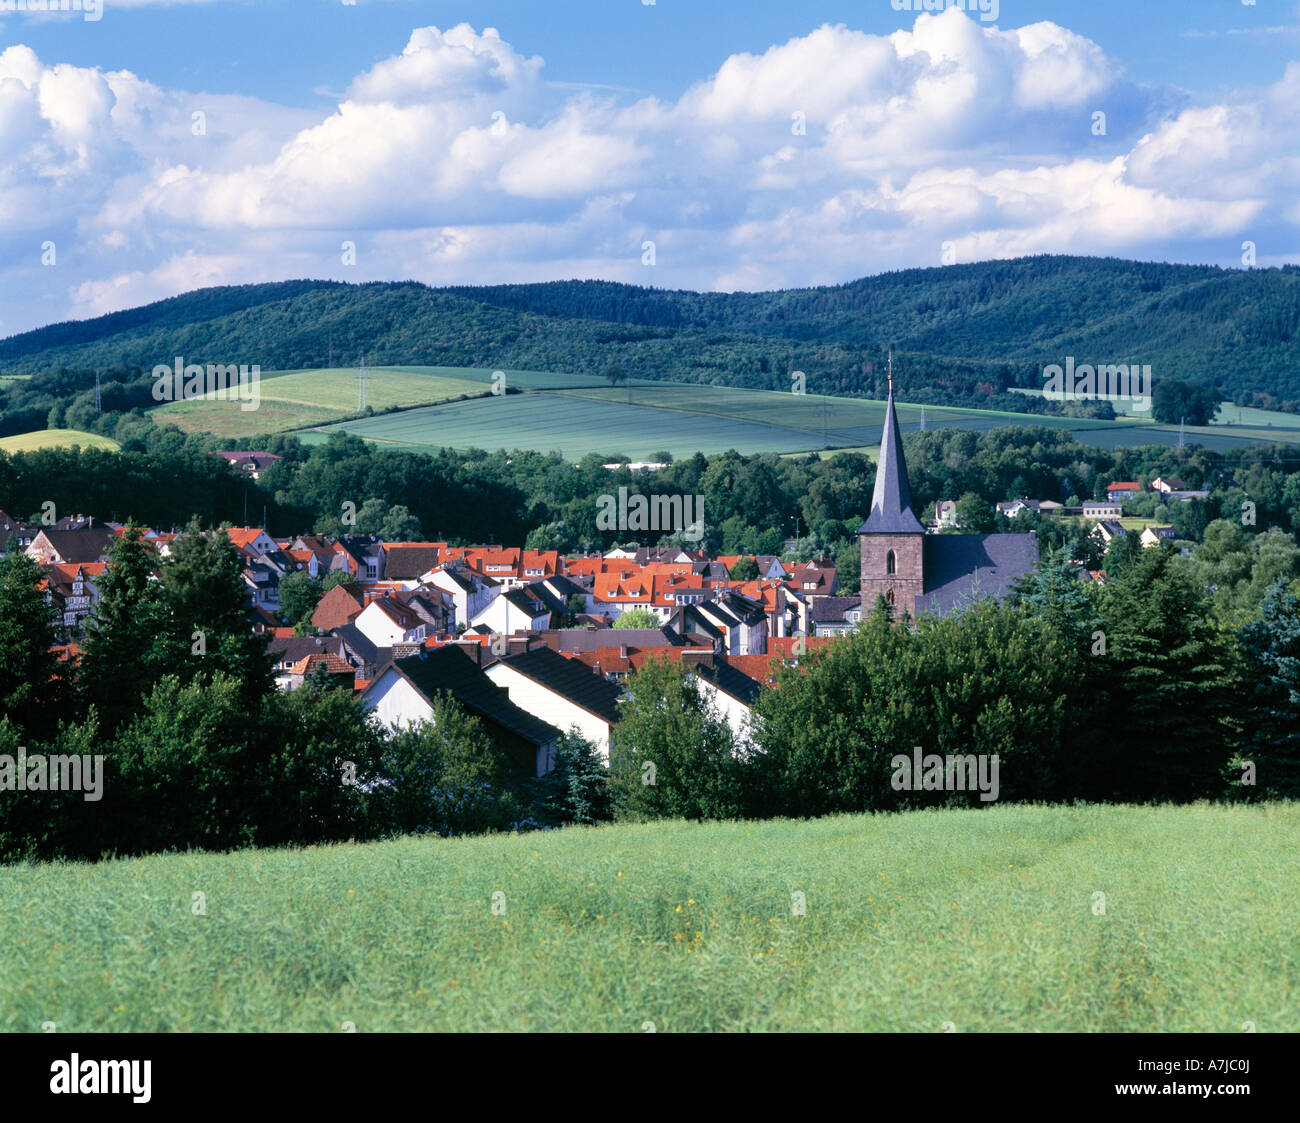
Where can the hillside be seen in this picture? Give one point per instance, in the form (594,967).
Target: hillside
(55,438)
(962,334)
(985,919)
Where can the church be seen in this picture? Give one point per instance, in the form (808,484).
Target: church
(918,572)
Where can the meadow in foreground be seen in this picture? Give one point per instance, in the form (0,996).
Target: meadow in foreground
(987,919)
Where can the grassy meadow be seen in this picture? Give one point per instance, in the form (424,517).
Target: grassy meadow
(300,398)
(986,919)
(55,438)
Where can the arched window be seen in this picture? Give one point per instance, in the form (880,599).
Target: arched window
(891,562)
(889,598)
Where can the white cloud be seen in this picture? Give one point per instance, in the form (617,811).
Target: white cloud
(836,154)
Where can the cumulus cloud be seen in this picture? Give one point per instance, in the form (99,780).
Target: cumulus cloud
(835,154)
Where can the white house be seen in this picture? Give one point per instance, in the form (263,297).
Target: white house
(384,622)
(515,610)
(562,692)
(470,592)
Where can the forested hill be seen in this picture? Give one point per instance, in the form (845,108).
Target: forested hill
(961,333)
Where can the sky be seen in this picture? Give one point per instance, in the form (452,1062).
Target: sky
(152,147)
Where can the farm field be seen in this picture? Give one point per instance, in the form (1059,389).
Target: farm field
(295,399)
(55,438)
(680,418)
(987,919)
(1234,427)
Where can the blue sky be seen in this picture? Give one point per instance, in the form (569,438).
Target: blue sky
(170,145)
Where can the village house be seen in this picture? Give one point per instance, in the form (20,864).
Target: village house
(561,692)
(404,693)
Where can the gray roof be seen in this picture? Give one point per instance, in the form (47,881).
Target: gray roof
(582,639)
(451,669)
(891,501)
(833,610)
(570,679)
(959,567)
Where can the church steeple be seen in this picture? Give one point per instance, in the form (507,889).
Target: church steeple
(891,501)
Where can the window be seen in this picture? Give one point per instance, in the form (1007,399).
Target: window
(889,598)
(891,562)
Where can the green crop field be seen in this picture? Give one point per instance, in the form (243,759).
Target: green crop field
(300,398)
(680,418)
(55,438)
(989,919)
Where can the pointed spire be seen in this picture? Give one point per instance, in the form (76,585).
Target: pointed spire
(891,501)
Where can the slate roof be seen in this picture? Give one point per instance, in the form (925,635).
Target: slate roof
(569,678)
(891,501)
(88,544)
(725,677)
(961,566)
(451,669)
(409,563)
(832,610)
(583,639)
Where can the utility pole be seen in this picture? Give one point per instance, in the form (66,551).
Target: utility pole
(1182,432)
(99,405)
(330,365)
(361,393)
(923,419)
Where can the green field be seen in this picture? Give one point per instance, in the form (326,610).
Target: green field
(55,438)
(985,919)
(1235,425)
(578,415)
(680,418)
(299,398)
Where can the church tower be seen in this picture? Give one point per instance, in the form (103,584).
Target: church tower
(892,538)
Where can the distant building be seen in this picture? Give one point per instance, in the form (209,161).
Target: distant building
(1102,509)
(917,572)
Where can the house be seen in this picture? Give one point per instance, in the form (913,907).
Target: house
(1107,531)
(833,616)
(1154,535)
(562,692)
(13,530)
(917,572)
(728,690)
(294,657)
(337,607)
(72,589)
(741,619)
(470,592)
(365,557)
(404,693)
(815,578)
(71,547)
(515,610)
(386,621)
(254,463)
(1102,509)
(1167,486)
(1016,507)
(1122,490)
